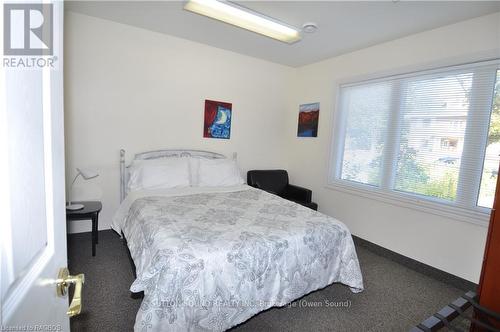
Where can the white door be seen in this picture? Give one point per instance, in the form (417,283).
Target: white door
(33,233)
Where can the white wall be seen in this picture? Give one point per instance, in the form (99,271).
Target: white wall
(131,88)
(451,245)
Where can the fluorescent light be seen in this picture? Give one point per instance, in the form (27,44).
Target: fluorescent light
(244,18)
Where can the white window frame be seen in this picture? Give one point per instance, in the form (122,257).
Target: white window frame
(464,208)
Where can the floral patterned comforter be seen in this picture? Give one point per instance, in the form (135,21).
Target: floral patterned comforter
(209,261)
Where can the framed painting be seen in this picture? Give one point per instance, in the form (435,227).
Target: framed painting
(308,120)
(217,122)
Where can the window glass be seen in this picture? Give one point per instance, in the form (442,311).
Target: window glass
(434,118)
(366,128)
(491,158)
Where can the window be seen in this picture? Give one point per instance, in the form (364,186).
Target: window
(365,133)
(433,135)
(449,144)
(492,155)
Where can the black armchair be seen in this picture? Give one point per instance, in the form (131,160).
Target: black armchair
(276,182)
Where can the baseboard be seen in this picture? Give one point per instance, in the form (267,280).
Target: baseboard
(82,226)
(100,231)
(417,266)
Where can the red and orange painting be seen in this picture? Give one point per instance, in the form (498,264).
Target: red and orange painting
(308,120)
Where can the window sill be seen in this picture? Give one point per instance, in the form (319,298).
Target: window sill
(479,217)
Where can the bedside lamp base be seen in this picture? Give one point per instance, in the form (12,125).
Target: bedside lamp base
(74,207)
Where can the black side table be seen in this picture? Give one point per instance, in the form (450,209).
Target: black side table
(90,211)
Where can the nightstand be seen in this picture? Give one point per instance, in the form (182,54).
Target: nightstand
(90,211)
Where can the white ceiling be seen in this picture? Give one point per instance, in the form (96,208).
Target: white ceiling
(343,26)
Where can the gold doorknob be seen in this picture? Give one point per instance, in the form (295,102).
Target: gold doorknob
(64,280)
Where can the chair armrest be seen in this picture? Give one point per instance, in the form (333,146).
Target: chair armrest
(297,193)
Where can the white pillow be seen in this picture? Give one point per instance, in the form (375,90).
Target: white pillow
(159,174)
(218,172)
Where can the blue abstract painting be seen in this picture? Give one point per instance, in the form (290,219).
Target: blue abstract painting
(217,119)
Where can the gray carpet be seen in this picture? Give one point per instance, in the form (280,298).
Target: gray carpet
(395,297)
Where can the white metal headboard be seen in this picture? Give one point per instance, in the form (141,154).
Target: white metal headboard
(160,154)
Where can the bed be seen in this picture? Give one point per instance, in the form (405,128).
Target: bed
(209,258)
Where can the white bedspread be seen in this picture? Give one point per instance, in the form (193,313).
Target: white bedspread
(208,260)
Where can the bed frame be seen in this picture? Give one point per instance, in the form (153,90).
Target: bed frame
(156,154)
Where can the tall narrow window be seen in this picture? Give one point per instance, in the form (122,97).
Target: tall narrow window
(423,135)
(434,116)
(366,126)
(492,155)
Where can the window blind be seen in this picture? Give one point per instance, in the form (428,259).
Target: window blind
(434,134)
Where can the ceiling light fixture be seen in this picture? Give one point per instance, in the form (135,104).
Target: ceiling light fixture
(244,18)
